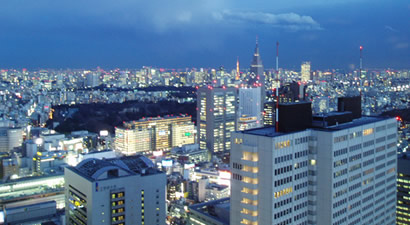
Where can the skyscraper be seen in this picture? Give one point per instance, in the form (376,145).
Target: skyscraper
(249,109)
(127,190)
(403,190)
(305,71)
(334,174)
(257,73)
(216,118)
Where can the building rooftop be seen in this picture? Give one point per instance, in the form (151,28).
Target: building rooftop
(217,210)
(270,131)
(356,122)
(93,168)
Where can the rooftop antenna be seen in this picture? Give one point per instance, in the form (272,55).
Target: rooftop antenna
(277,88)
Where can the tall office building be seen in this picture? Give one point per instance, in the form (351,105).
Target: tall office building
(92,79)
(10,138)
(127,190)
(216,118)
(151,134)
(305,71)
(403,190)
(257,74)
(343,171)
(269,113)
(249,109)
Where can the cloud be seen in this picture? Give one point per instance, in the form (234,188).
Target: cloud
(389,28)
(289,21)
(401,45)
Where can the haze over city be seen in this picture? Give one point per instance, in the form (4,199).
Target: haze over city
(211,33)
(204,112)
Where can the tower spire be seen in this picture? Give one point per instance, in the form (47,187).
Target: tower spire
(237,69)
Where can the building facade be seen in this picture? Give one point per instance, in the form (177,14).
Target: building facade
(403,190)
(10,138)
(152,134)
(341,174)
(249,108)
(305,71)
(216,118)
(127,190)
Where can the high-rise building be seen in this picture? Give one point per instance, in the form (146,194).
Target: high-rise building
(403,190)
(257,73)
(92,79)
(249,109)
(305,71)
(343,171)
(127,190)
(151,134)
(269,113)
(216,118)
(10,138)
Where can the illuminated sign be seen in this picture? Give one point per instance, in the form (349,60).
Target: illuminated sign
(247,118)
(104,133)
(187,134)
(189,166)
(167,163)
(157,153)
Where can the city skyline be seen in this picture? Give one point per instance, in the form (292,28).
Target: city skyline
(181,34)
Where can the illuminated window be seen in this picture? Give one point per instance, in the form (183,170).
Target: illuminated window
(238,140)
(368,131)
(250,180)
(283,192)
(249,202)
(312,162)
(249,212)
(250,169)
(282,144)
(249,191)
(250,156)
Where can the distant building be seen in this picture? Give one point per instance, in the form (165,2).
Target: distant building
(190,153)
(152,134)
(269,114)
(250,108)
(216,118)
(210,213)
(257,74)
(305,72)
(127,190)
(92,80)
(10,138)
(38,213)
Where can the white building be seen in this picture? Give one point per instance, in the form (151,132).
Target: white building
(305,71)
(126,190)
(342,174)
(249,109)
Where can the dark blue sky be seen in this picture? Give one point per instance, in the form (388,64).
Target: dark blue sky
(203,33)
